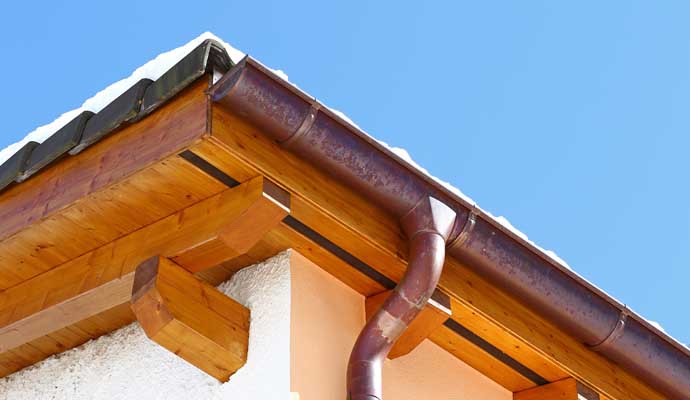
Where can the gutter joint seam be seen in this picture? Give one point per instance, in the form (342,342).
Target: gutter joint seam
(615,333)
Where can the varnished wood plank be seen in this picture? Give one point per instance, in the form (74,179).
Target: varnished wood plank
(431,318)
(65,313)
(191,318)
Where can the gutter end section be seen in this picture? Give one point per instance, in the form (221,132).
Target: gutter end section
(252,95)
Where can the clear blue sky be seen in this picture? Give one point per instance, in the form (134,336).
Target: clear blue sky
(572,119)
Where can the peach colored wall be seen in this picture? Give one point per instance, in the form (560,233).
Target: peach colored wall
(326,319)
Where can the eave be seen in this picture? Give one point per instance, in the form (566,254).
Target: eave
(192,149)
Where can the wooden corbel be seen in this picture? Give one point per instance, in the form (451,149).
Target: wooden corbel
(190,318)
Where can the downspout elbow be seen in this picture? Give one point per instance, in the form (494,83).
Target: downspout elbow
(427,226)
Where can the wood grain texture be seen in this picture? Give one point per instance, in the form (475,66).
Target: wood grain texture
(99,279)
(190,318)
(65,313)
(429,319)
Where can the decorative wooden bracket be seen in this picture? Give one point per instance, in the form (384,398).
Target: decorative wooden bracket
(190,318)
(436,312)
(566,389)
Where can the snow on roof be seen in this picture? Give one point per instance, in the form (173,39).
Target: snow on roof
(159,65)
(151,70)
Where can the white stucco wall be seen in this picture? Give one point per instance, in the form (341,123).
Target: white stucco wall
(127,365)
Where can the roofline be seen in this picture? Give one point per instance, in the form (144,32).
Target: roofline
(615,324)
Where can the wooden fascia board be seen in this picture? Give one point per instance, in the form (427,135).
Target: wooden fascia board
(369,233)
(103,276)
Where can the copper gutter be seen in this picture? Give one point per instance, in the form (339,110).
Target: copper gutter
(311,131)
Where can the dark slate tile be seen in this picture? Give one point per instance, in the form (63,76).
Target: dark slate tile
(207,57)
(14,166)
(56,145)
(123,109)
(139,100)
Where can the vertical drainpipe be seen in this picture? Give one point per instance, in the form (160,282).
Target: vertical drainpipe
(427,226)
(298,124)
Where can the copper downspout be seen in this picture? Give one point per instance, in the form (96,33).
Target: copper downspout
(427,226)
(299,124)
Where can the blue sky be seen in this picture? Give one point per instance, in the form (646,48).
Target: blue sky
(569,118)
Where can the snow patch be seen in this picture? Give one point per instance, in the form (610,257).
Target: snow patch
(656,325)
(661,328)
(347,119)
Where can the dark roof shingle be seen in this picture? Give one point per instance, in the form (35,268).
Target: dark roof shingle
(134,104)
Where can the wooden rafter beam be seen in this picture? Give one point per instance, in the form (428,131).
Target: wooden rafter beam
(102,278)
(190,318)
(65,313)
